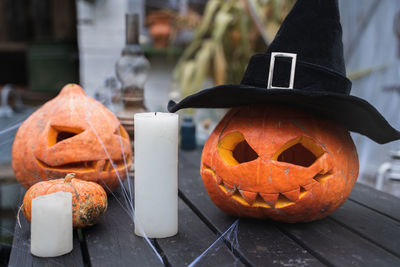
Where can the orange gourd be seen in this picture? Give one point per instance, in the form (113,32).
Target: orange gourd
(72,133)
(278,162)
(89,200)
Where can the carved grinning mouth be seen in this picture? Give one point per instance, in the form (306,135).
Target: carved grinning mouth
(58,134)
(88,166)
(118,165)
(273,200)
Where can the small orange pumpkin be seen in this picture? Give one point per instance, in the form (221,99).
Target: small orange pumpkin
(89,200)
(72,133)
(278,162)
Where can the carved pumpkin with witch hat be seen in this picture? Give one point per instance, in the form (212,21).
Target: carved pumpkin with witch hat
(284,150)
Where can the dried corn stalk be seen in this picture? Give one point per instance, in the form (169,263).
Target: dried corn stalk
(229,33)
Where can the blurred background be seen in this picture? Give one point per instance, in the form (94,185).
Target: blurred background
(187,45)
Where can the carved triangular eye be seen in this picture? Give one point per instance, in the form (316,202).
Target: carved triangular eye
(300,151)
(234,149)
(64,135)
(60,133)
(297,155)
(243,152)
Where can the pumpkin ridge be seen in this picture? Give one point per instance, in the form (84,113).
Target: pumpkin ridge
(234,113)
(58,183)
(302,127)
(73,187)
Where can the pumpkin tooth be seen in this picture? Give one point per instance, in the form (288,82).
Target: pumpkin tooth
(229,192)
(248,196)
(106,166)
(292,195)
(308,187)
(270,199)
(259,202)
(283,202)
(238,197)
(99,165)
(303,192)
(322,178)
(218,179)
(209,169)
(229,187)
(223,189)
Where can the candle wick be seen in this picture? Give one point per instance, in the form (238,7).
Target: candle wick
(155,113)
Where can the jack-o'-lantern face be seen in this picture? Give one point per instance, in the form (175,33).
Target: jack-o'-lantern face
(72,133)
(280,163)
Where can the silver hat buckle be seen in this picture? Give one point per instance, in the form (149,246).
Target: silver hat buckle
(293,56)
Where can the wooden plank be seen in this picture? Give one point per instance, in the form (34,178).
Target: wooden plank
(376,227)
(260,242)
(193,238)
(112,241)
(21,250)
(338,246)
(377,200)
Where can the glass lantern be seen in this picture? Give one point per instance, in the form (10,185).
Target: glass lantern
(132,70)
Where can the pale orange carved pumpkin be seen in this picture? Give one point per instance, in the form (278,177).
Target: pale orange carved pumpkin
(71,133)
(89,200)
(278,162)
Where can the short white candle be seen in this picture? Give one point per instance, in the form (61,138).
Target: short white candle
(156,174)
(51,225)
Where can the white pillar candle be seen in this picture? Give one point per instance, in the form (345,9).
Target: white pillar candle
(51,225)
(156,174)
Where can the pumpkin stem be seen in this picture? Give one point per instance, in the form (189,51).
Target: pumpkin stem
(69,177)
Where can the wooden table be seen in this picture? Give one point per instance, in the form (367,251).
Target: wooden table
(365,231)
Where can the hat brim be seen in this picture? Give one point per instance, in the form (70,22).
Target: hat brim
(356,114)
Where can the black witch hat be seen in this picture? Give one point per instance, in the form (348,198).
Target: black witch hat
(302,67)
